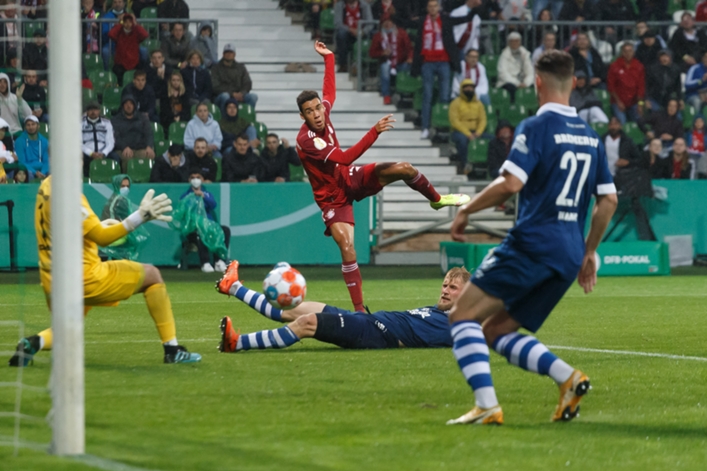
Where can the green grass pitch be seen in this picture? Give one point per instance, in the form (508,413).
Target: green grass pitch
(317,407)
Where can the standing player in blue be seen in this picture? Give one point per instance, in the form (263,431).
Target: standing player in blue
(556,163)
(424,327)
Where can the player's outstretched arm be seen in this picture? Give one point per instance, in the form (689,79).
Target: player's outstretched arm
(350,155)
(329,85)
(151,207)
(496,193)
(603,212)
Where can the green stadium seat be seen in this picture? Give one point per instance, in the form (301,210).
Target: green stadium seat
(161,146)
(526,97)
(151,27)
(213,109)
(406,84)
(246,112)
(440,116)
(44,129)
(139,170)
(365,46)
(151,45)
(111,98)
(102,79)
(261,130)
(176,132)
(31,27)
(106,112)
(417,100)
(688,116)
(296,173)
(150,12)
(326,20)
(157,131)
(87,95)
(600,128)
(514,114)
(103,171)
(128,77)
(92,63)
(634,132)
(491,123)
(499,97)
(478,151)
(490,111)
(491,64)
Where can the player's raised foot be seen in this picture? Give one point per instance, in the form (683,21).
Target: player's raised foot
(229,337)
(450,200)
(479,416)
(224,284)
(25,351)
(571,392)
(179,354)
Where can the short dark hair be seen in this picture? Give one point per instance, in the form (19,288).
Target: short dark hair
(156,50)
(139,73)
(242,136)
(196,171)
(175,149)
(305,96)
(272,134)
(175,24)
(201,139)
(558,64)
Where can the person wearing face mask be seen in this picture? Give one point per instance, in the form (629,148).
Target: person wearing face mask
(97,136)
(171,167)
(467,117)
(118,205)
(392,47)
(196,188)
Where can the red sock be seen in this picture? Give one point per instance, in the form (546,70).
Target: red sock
(422,184)
(352,277)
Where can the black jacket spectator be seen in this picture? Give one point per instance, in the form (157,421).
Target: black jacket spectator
(614,10)
(145,99)
(35,55)
(595,68)
(663,83)
(35,95)
(401,9)
(237,167)
(173,9)
(278,165)
(499,147)
(164,172)
(682,46)
(627,148)
(173,107)
(207,165)
(660,123)
(648,55)
(659,169)
(653,10)
(197,81)
(176,46)
(134,132)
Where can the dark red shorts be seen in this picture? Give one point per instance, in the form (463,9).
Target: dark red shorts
(362,183)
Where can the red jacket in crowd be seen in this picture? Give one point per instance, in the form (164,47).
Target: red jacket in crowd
(404,46)
(127,45)
(627,81)
(701,12)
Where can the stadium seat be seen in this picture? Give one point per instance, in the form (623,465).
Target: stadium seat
(213,109)
(491,124)
(106,112)
(405,84)
(296,173)
(491,64)
(152,44)
(111,98)
(634,132)
(139,170)
(605,98)
(261,130)
(675,6)
(176,132)
(478,151)
(44,129)
(87,95)
(102,79)
(247,112)
(499,97)
(365,47)
(157,131)
(440,116)
(600,128)
(326,23)
(128,77)
(161,146)
(513,113)
(152,28)
(31,27)
(103,170)
(688,116)
(92,63)
(526,97)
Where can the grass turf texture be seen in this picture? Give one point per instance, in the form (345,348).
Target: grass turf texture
(318,407)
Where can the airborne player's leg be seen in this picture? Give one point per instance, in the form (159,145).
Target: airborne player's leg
(343,235)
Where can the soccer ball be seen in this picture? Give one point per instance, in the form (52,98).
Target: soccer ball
(284,287)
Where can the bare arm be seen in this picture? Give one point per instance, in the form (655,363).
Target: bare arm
(329,85)
(603,212)
(350,155)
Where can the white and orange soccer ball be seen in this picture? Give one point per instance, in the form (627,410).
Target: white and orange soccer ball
(284,287)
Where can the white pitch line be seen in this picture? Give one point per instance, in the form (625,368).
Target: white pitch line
(627,352)
(106,464)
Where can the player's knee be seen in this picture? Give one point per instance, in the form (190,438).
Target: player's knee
(407,170)
(152,276)
(307,324)
(491,333)
(348,252)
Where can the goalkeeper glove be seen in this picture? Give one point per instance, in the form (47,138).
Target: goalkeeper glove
(151,207)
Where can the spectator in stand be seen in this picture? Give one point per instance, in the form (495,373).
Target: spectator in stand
(116,12)
(587,103)
(35,55)
(620,149)
(467,117)
(7,155)
(701,12)
(653,10)
(13,108)
(663,82)
(35,96)
(614,11)
(204,125)
(127,35)
(695,80)
(233,126)
(664,124)
(392,47)
(515,10)
(682,168)
(90,31)
(174,103)
(200,157)
(436,54)
(577,11)
(499,147)
(648,49)
(549,43)
(539,31)
(144,95)
(702,94)
(472,69)
(627,86)
(466,36)
(641,29)
(33,150)
(399,10)
(197,79)
(12,69)
(554,7)
(231,79)
(659,166)
(196,179)
(170,167)
(588,59)
(347,14)
(97,136)
(695,138)
(205,43)
(133,134)
(138,5)
(172,9)
(158,73)
(276,159)
(241,164)
(176,46)
(515,69)
(315,10)
(688,43)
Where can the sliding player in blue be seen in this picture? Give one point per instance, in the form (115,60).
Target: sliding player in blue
(556,163)
(424,327)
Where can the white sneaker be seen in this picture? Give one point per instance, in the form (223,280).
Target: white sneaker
(220,266)
(425,134)
(207,268)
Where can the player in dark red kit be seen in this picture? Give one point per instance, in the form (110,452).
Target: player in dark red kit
(337,184)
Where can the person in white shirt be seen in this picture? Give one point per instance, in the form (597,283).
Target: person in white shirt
(474,70)
(97,136)
(549,42)
(6,156)
(467,35)
(515,69)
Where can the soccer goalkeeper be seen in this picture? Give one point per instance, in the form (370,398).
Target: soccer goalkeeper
(107,283)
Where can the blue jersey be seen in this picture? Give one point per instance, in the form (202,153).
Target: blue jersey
(562,162)
(424,327)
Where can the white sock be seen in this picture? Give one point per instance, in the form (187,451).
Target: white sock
(171,343)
